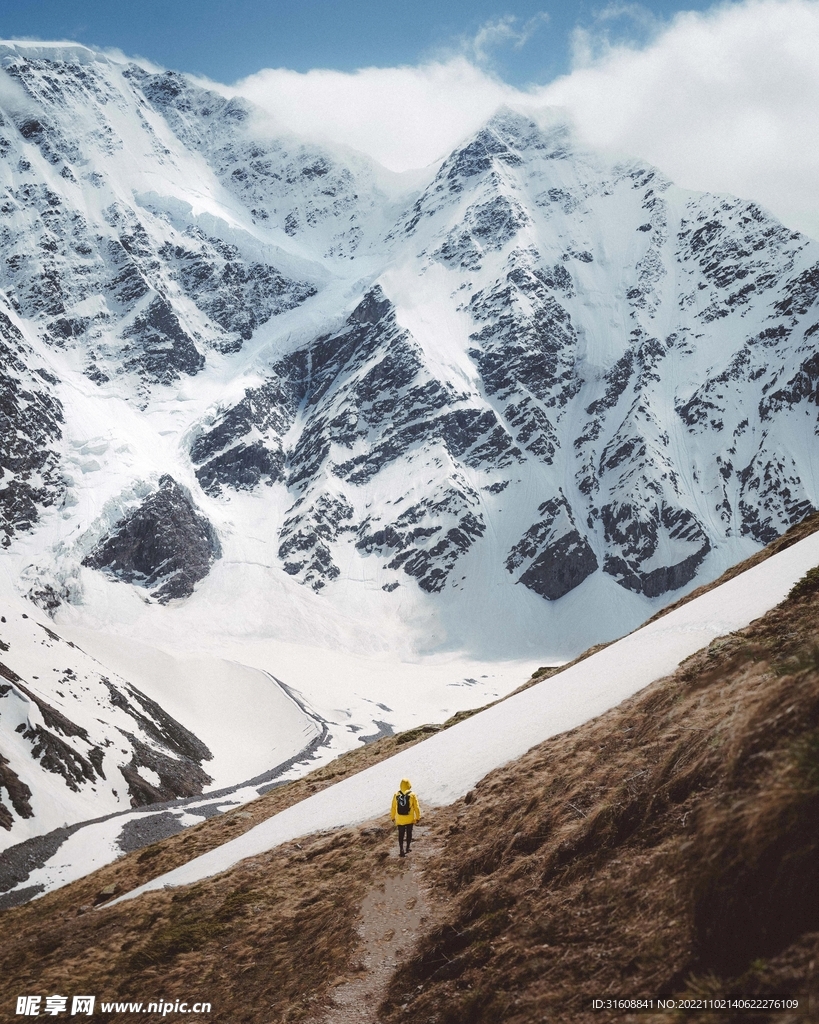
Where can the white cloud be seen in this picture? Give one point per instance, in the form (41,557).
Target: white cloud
(403,117)
(636,23)
(724,101)
(721,101)
(501,32)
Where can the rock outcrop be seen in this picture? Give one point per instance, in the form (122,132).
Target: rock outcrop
(165,545)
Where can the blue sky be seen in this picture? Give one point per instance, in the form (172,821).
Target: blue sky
(522,41)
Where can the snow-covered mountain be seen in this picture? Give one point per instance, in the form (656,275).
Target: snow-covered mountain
(101,746)
(253,388)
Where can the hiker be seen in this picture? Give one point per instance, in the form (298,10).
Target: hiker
(405,813)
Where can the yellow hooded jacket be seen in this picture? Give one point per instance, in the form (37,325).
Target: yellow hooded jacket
(414,811)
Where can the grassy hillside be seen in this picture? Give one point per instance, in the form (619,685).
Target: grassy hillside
(266,936)
(671,845)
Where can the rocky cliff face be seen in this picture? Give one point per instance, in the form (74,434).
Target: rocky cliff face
(130,281)
(164,544)
(31,418)
(537,369)
(625,397)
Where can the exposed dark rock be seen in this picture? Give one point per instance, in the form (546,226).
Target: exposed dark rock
(227,460)
(59,259)
(164,543)
(18,794)
(160,349)
(64,748)
(498,145)
(305,536)
(496,222)
(802,387)
(526,352)
(616,380)
(20,860)
(51,750)
(242,467)
(800,293)
(147,829)
(52,143)
(145,286)
(236,295)
(560,567)
(772,496)
(428,537)
(565,199)
(476,158)
(735,241)
(476,438)
(560,557)
(30,428)
(633,536)
(128,285)
(671,577)
(432,565)
(459,249)
(706,407)
(157,724)
(384,729)
(178,778)
(52,718)
(48,595)
(55,755)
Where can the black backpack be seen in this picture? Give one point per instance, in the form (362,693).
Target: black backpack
(402,802)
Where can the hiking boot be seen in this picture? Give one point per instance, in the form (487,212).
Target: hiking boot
(401,853)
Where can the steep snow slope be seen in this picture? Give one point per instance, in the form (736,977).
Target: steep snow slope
(78,741)
(446,766)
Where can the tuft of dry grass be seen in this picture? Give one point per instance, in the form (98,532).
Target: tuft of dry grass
(259,942)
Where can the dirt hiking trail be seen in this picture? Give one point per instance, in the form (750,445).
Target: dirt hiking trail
(393,915)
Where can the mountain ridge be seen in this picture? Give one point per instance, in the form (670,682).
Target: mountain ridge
(628,505)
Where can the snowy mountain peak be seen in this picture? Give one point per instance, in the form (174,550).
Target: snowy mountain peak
(537,369)
(52,52)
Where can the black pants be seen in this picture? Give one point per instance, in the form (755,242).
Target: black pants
(404,830)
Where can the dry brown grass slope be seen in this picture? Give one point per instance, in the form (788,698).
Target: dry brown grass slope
(670,845)
(260,942)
